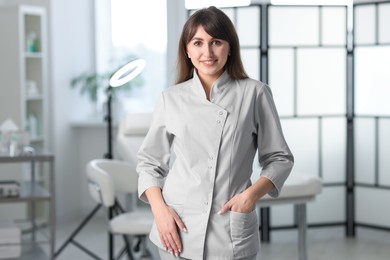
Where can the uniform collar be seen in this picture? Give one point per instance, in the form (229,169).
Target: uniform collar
(217,87)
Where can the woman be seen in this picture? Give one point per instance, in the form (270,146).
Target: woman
(213,120)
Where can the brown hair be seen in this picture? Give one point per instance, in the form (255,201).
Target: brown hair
(218,25)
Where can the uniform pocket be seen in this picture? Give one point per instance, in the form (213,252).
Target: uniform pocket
(244,230)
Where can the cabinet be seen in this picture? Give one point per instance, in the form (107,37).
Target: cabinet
(32,192)
(23,70)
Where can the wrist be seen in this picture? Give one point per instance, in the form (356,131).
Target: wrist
(155,198)
(258,189)
(250,195)
(158,206)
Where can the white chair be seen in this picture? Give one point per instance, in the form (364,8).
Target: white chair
(132,130)
(107,178)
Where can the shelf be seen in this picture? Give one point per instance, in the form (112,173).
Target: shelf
(32,251)
(33,55)
(93,122)
(37,139)
(28,192)
(40,156)
(34,98)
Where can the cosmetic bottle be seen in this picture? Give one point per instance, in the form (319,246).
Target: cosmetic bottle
(13,145)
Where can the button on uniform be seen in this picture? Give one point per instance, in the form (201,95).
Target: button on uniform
(206,203)
(221,116)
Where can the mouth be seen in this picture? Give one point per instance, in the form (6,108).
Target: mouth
(209,62)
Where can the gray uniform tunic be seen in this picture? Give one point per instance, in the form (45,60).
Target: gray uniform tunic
(214,143)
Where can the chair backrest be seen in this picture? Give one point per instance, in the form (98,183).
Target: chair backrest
(131,133)
(108,177)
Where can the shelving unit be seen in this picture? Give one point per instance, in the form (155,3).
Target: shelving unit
(23,70)
(32,192)
(24,99)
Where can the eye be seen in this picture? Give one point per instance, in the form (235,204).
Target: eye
(216,42)
(197,43)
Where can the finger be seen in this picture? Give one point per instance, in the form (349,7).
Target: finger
(163,242)
(168,247)
(224,209)
(172,244)
(177,241)
(179,223)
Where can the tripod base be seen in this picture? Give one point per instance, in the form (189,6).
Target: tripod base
(74,234)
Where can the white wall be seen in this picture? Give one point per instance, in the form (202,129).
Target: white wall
(72,52)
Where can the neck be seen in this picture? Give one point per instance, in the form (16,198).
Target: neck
(208,82)
(207,88)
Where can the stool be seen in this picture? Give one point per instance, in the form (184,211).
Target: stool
(298,190)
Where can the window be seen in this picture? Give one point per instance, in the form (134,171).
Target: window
(137,29)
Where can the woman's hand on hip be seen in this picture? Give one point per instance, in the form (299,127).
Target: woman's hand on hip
(245,201)
(168,222)
(239,203)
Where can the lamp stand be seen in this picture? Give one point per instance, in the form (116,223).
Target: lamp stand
(109,155)
(108,118)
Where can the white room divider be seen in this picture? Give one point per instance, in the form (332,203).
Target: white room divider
(372,110)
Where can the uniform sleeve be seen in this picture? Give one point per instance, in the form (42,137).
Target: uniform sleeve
(274,154)
(154,153)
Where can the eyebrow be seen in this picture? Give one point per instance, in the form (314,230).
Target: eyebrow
(201,39)
(197,39)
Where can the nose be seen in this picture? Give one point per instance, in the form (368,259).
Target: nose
(208,50)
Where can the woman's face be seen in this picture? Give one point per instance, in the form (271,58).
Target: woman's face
(207,54)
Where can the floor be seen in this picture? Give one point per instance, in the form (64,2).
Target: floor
(323,243)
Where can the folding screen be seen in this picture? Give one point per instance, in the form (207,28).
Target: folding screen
(372,110)
(307,69)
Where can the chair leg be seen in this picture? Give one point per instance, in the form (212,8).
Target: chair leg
(265,232)
(302,229)
(110,237)
(121,253)
(145,253)
(128,247)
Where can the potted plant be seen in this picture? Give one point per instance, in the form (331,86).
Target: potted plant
(92,83)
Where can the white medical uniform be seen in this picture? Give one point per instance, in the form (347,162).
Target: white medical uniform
(214,143)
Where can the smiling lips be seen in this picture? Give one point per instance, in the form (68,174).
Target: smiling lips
(209,62)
